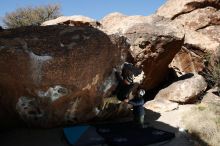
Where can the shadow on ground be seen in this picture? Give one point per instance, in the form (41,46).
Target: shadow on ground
(55,136)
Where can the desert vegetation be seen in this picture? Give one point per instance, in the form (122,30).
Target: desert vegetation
(27,16)
(203,123)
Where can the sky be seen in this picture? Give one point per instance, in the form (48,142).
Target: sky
(95,9)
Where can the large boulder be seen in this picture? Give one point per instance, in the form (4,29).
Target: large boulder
(197,48)
(185,90)
(60,74)
(56,75)
(154,42)
(186,61)
(75,20)
(211,98)
(199,18)
(197,40)
(120,23)
(174,8)
(201,21)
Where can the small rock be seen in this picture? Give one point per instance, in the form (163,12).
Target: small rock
(161,105)
(185,90)
(210,97)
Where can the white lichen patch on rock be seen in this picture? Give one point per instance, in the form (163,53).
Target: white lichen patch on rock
(36,66)
(96,110)
(94,82)
(71,114)
(108,83)
(54,93)
(74,18)
(28,109)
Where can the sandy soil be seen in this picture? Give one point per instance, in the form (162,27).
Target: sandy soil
(171,121)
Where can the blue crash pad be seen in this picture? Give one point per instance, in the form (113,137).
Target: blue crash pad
(120,134)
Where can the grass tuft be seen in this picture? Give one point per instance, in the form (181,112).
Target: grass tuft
(203,123)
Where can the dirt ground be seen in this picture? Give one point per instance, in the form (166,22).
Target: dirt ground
(171,121)
(168,121)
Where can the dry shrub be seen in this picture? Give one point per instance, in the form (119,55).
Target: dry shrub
(203,123)
(31,15)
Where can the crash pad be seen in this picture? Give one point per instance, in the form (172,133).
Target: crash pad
(117,134)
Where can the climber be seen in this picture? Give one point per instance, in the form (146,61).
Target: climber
(138,110)
(126,86)
(128,91)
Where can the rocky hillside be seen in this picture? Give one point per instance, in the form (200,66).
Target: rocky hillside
(63,71)
(201,22)
(61,74)
(154,42)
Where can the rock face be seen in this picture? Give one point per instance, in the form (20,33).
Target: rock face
(76,20)
(120,23)
(154,42)
(201,21)
(174,8)
(186,61)
(184,91)
(60,74)
(211,98)
(53,75)
(212,31)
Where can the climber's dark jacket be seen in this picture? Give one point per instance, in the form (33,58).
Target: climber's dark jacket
(123,90)
(138,109)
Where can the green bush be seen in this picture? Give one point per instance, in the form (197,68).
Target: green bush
(31,15)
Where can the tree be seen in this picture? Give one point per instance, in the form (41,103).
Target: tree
(31,15)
